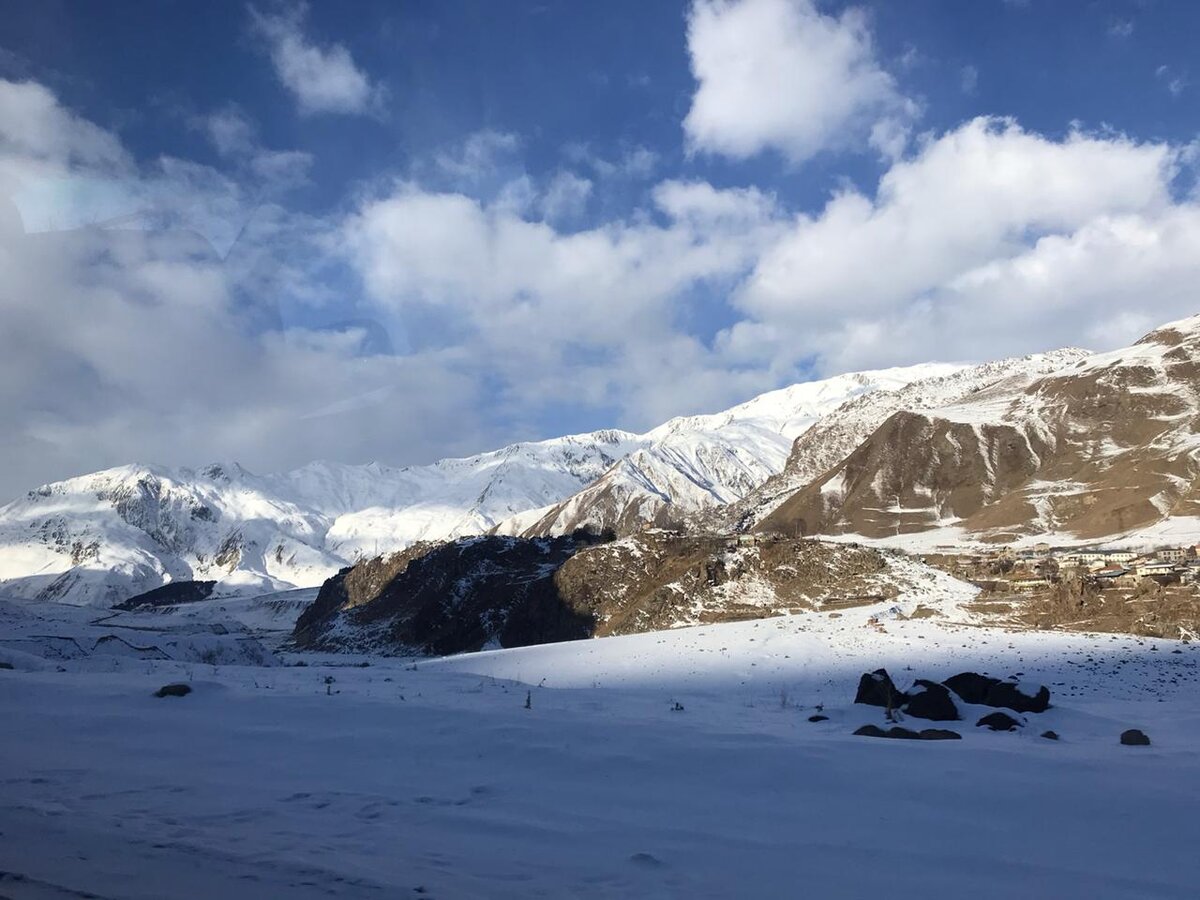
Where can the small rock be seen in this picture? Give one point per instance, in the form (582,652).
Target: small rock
(173,690)
(1134,738)
(6,665)
(999,721)
(1050,735)
(939,734)
(818,718)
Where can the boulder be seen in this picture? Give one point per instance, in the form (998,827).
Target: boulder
(1050,735)
(1134,738)
(971,687)
(986,691)
(1007,695)
(818,718)
(930,700)
(999,721)
(876,689)
(173,690)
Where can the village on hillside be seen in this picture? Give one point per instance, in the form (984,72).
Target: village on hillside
(1041,566)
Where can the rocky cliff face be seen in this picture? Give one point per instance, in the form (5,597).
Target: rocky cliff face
(1098,448)
(503,591)
(698,463)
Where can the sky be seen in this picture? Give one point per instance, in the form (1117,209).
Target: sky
(397,231)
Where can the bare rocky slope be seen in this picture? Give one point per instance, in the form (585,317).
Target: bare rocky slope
(502,591)
(1102,447)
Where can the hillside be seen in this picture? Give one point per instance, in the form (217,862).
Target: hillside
(1101,448)
(495,591)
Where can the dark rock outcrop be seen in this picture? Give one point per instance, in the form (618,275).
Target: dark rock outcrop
(450,598)
(998,721)
(932,701)
(1006,695)
(1050,735)
(971,687)
(1134,738)
(985,691)
(818,718)
(508,591)
(170,594)
(877,689)
(173,690)
(907,734)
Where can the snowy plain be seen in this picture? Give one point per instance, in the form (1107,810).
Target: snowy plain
(388,777)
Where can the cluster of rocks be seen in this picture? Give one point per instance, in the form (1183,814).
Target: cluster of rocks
(935,701)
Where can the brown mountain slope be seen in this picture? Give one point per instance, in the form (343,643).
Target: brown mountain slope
(1096,449)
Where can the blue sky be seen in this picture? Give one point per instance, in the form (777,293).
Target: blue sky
(397,231)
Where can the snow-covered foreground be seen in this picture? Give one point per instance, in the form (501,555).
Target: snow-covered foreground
(436,780)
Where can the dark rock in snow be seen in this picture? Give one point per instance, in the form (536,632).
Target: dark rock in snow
(1007,695)
(939,734)
(171,594)
(999,721)
(818,718)
(173,690)
(876,689)
(1050,735)
(970,686)
(907,734)
(985,691)
(1134,738)
(6,665)
(932,702)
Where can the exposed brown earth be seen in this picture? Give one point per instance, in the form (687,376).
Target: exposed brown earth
(1097,449)
(467,594)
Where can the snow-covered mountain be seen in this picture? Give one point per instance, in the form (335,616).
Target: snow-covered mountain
(1104,446)
(839,432)
(101,538)
(694,463)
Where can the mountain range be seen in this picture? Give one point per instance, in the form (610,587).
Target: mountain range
(99,539)
(1067,445)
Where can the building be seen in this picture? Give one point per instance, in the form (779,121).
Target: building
(1154,569)
(1172,554)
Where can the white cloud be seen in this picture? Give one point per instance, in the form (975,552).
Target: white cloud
(322,79)
(566,197)
(968,79)
(781,75)
(1120,28)
(1174,81)
(978,245)
(632,162)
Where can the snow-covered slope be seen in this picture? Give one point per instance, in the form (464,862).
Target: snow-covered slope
(100,538)
(664,765)
(693,463)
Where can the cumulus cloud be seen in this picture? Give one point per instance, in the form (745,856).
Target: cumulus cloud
(989,240)
(781,75)
(531,302)
(323,79)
